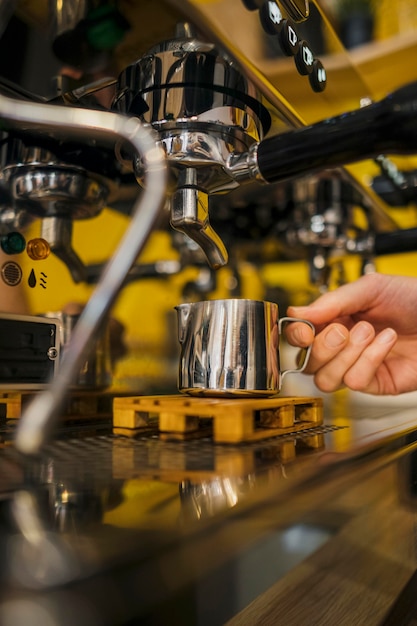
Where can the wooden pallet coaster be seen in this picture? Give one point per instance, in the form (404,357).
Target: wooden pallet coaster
(234,419)
(79,405)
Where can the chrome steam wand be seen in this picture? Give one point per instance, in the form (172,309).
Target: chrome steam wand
(38,419)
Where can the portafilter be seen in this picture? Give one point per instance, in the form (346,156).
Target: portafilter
(205,110)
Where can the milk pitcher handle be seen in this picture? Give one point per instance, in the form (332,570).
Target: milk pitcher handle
(287,320)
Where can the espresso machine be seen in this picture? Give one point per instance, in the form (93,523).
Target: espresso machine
(241,128)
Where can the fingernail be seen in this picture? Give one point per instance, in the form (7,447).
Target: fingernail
(335,337)
(360,333)
(386,336)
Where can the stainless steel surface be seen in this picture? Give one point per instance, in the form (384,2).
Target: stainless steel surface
(57,190)
(188,80)
(231,348)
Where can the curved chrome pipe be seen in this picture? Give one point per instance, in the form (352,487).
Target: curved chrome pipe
(39,417)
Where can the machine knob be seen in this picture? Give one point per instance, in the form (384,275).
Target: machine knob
(318,76)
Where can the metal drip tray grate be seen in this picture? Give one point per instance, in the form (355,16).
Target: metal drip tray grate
(103,459)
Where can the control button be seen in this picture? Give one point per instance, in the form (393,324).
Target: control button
(252,5)
(11,273)
(38,249)
(271,17)
(13,243)
(318,77)
(288,38)
(304,58)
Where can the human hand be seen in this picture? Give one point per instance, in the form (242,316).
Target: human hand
(366,335)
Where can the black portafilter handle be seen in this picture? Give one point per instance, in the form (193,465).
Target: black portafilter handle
(396,241)
(385,127)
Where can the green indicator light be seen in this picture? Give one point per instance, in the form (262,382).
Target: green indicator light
(105,27)
(13,243)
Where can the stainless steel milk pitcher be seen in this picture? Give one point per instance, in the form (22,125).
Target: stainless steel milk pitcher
(231,348)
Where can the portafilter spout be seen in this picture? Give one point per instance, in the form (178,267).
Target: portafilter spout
(104,127)
(385,127)
(190,215)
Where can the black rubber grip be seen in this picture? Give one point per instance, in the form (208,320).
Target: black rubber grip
(403,240)
(386,127)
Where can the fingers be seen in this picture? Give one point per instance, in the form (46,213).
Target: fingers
(363,375)
(341,357)
(344,301)
(299,334)
(347,351)
(336,353)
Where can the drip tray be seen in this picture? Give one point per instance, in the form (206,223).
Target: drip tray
(113,458)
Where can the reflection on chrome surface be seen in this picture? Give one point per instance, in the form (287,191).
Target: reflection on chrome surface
(103,512)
